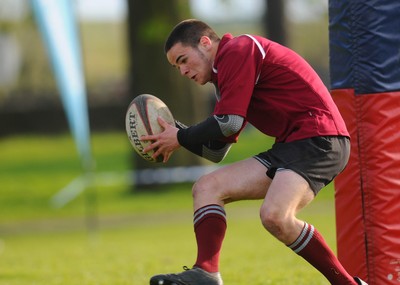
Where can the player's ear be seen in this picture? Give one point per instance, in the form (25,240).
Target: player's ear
(205,42)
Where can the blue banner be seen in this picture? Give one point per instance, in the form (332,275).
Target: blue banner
(57,23)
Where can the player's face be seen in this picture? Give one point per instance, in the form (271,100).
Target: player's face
(194,63)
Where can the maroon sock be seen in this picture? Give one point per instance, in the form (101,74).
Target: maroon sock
(209,226)
(312,247)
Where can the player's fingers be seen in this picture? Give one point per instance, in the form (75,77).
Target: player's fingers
(157,153)
(162,122)
(151,146)
(161,150)
(166,157)
(148,138)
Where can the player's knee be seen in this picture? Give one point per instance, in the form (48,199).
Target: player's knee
(206,185)
(202,185)
(273,221)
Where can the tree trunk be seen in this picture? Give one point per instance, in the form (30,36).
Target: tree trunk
(149,24)
(275,21)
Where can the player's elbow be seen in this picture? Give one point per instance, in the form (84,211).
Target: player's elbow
(234,129)
(229,124)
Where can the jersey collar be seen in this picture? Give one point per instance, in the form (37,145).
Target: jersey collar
(225,38)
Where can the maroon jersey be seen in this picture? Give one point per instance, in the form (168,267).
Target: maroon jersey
(274,89)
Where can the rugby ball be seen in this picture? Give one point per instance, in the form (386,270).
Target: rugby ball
(141,119)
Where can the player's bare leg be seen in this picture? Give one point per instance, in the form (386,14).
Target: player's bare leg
(284,197)
(243,180)
(210,193)
(287,195)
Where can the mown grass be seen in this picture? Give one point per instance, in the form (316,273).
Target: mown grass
(137,233)
(34,168)
(154,243)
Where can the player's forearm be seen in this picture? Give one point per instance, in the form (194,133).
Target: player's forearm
(213,150)
(213,128)
(216,152)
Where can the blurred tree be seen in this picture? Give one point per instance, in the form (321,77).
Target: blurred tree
(34,72)
(275,21)
(149,23)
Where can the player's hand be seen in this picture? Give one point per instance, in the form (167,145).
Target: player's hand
(164,143)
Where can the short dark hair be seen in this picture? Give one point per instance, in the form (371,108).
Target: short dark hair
(188,33)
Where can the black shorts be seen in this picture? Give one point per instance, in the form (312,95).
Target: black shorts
(317,159)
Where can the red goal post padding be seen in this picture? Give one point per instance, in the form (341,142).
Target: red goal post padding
(368,191)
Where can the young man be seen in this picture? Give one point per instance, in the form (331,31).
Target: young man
(271,87)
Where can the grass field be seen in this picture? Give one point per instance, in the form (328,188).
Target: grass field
(136,233)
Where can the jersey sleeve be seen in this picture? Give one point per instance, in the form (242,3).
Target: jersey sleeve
(238,66)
